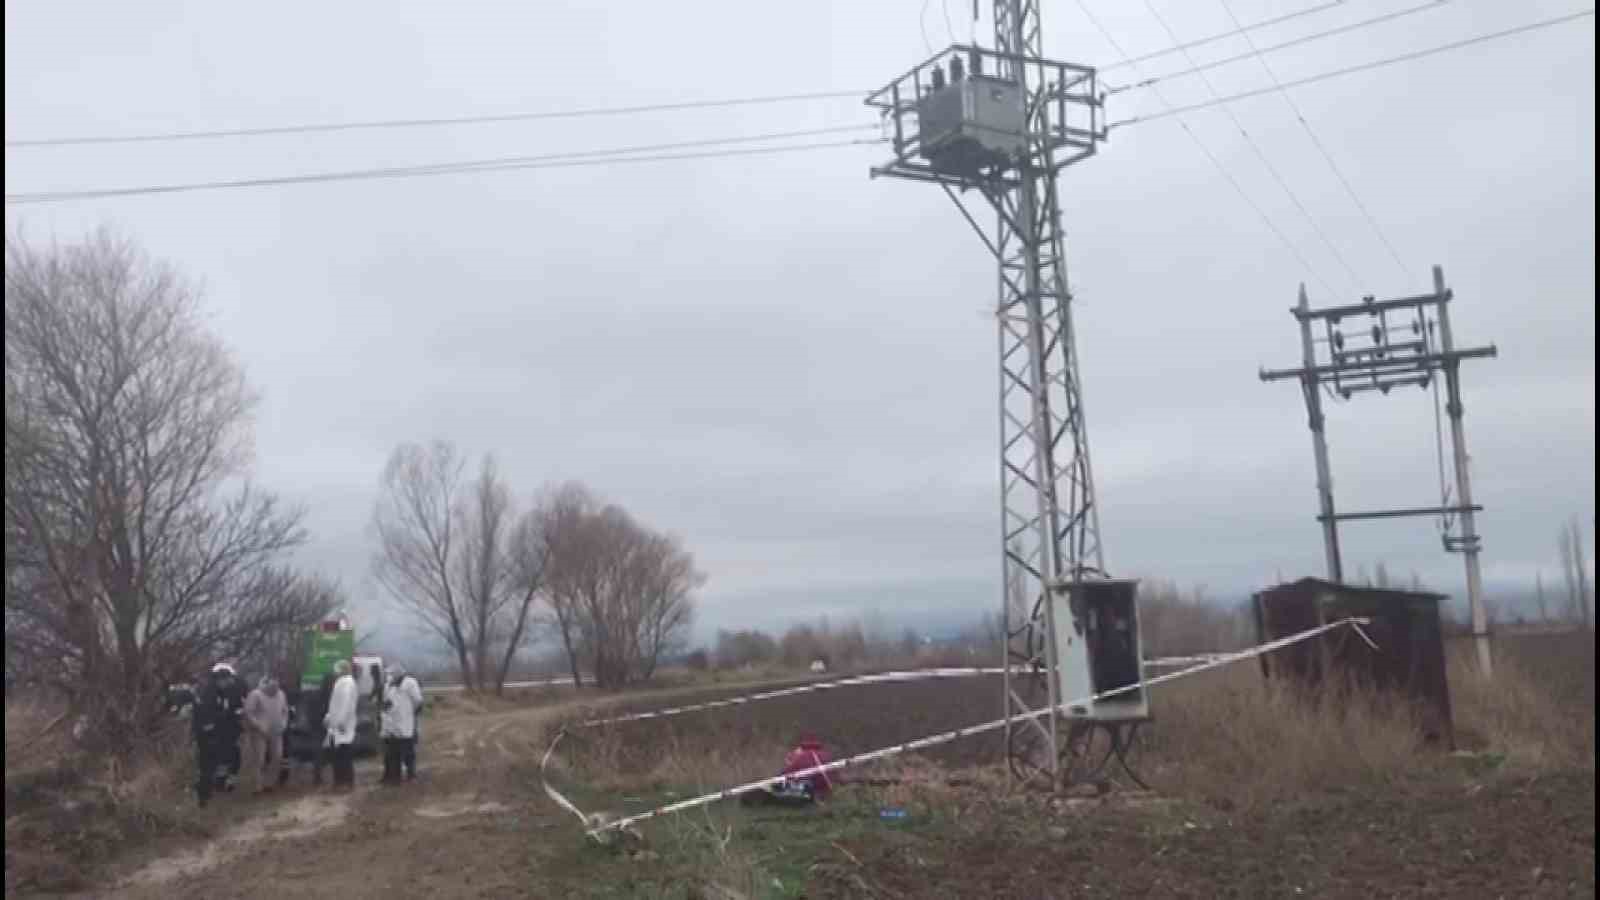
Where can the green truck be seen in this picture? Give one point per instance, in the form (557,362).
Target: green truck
(325,644)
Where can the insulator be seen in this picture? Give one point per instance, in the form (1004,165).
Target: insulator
(956,68)
(938,78)
(1377,335)
(977,59)
(1338,340)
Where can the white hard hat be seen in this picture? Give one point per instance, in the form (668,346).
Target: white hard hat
(222,667)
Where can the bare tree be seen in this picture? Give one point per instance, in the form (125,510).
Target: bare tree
(1574,568)
(528,556)
(459,558)
(665,576)
(801,645)
(619,593)
(569,564)
(128,564)
(281,650)
(483,566)
(415,522)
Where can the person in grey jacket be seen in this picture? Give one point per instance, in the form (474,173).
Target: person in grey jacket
(266,717)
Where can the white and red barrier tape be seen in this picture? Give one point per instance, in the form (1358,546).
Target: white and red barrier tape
(1159,662)
(595,830)
(853,681)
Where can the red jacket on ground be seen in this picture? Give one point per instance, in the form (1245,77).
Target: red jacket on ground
(810,754)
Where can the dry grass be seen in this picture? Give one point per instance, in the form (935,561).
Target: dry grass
(1516,715)
(1232,739)
(36,733)
(606,759)
(1227,738)
(68,809)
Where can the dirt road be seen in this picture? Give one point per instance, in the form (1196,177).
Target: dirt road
(462,829)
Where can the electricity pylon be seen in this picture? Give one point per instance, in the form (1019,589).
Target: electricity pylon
(1002,123)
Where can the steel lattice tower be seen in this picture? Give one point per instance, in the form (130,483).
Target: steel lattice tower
(1003,124)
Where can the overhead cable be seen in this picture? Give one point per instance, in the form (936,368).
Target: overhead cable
(1360,67)
(1212,157)
(421,123)
(545,161)
(312,128)
(1294,108)
(1285,45)
(1129,61)
(1261,154)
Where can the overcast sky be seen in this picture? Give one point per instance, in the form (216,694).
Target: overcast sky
(790,365)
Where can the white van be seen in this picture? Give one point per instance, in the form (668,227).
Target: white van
(370,677)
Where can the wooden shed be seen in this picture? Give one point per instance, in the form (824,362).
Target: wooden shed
(1404,624)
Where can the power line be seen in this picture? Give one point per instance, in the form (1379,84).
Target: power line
(1285,45)
(1261,155)
(313,128)
(1361,67)
(1253,26)
(607,156)
(1316,141)
(421,123)
(545,161)
(1215,162)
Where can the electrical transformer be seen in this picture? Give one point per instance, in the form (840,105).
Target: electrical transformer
(971,124)
(1098,650)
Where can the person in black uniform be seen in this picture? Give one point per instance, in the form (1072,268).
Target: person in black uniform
(216,727)
(235,692)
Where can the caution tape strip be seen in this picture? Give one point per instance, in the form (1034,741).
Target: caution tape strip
(559,798)
(853,681)
(948,736)
(566,803)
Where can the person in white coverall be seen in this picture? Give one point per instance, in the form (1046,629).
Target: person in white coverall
(401,703)
(341,726)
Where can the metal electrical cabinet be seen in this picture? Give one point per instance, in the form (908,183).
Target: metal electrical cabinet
(1098,649)
(972,123)
(1406,655)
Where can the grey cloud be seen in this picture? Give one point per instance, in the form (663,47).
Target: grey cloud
(790,364)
